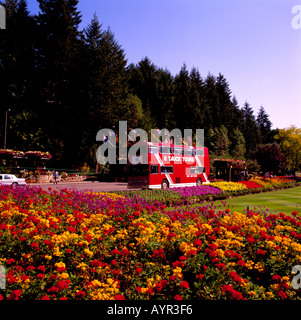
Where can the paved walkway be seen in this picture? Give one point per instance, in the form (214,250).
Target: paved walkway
(84,185)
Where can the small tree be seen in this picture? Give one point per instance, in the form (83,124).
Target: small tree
(270,158)
(290,143)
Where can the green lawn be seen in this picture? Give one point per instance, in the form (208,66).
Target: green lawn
(285,201)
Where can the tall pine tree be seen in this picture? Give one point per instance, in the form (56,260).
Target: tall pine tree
(265,125)
(251,130)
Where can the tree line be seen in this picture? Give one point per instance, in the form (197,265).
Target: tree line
(62,84)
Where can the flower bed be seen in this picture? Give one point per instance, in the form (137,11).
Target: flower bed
(251,184)
(229,186)
(80,245)
(197,191)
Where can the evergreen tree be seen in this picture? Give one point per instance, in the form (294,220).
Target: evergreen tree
(143,83)
(237,114)
(211,99)
(182,99)
(17,67)
(251,130)
(265,125)
(197,101)
(222,142)
(223,108)
(106,82)
(165,99)
(238,145)
(59,42)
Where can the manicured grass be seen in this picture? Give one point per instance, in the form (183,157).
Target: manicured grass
(285,201)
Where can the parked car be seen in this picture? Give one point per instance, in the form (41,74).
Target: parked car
(11,180)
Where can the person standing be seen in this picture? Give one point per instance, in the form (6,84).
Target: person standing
(55,176)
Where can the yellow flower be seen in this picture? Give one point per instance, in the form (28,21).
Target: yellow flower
(88,252)
(249,264)
(177,272)
(82,266)
(270,294)
(56,251)
(60,265)
(63,275)
(220,253)
(259,266)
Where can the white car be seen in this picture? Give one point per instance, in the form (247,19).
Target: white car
(11,180)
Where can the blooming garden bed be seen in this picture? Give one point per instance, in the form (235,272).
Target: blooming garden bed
(217,190)
(83,245)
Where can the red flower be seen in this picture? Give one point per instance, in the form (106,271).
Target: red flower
(80,294)
(260,252)
(71,229)
(40,275)
(250,239)
(178,297)
(171,235)
(125,252)
(139,270)
(235,276)
(183,258)
(1,297)
(52,289)
(241,263)
(220,266)
(164,283)
(95,263)
(227,288)
(115,251)
(3,226)
(41,268)
(61,285)
(10,261)
(35,246)
(150,291)
(276,277)
(15,295)
(213,246)
(192,252)
(200,276)
(158,287)
(138,289)
(113,262)
(197,242)
(45,298)
(282,295)
(184,285)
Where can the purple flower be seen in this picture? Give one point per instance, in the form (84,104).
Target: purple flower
(197,191)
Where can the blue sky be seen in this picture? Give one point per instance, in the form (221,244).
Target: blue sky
(251,42)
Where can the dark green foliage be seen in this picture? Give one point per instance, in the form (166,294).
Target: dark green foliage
(63,84)
(270,158)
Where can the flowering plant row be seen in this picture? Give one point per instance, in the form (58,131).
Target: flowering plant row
(229,186)
(25,153)
(80,245)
